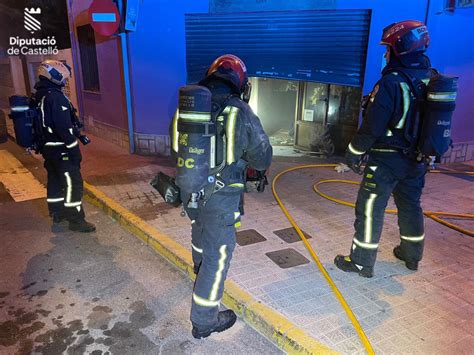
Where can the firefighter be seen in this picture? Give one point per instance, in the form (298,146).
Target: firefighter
(61,152)
(215,219)
(393,166)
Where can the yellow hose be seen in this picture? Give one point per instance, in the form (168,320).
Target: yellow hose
(340,297)
(431,214)
(434,215)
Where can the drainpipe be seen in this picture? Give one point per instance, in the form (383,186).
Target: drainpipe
(427,15)
(75,62)
(127,83)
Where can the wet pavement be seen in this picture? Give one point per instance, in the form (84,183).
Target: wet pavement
(102,293)
(430,311)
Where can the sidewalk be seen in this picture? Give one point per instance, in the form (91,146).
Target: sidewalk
(430,311)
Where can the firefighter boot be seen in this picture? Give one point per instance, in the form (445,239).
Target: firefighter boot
(225,320)
(82,226)
(347,265)
(410,264)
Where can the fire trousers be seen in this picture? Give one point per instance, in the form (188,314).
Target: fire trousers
(213,242)
(387,173)
(65,188)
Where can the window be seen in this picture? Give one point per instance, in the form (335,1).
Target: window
(88,54)
(451,5)
(465,3)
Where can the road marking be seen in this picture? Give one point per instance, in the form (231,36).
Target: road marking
(18,181)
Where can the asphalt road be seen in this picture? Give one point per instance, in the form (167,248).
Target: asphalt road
(103,293)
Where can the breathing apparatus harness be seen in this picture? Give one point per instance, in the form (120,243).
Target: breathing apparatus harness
(428,133)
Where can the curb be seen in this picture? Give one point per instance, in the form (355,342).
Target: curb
(275,327)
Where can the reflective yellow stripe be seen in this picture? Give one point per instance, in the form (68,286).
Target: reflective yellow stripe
(413,239)
(406,104)
(238,225)
(354,151)
(365,245)
(175,134)
(369,209)
(205,303)
(200,251)
(195,116)
(236,185)
(442,96)
(230,132)
(220,269)
(68,187)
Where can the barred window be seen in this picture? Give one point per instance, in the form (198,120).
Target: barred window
(88,54)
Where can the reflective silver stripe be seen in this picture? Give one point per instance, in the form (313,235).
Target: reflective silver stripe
(196,116)
(406,104)
(442,96)
(220,269)
(205,303)
(230,133)
(50,130)
(54,144)
(68,187)
(413,239)
(212,153)
(384,150)
(175,133)
(72,145)
(369,209)
(365,245)
(200,251)
(389,133)
(71,131)
(53,200)
(236,215)
(373,168)
(354,151)
(72,204)
(42,110)
(20,109)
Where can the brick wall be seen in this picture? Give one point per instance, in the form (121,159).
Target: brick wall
(115,135)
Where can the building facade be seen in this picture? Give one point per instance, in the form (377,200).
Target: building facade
(310,62)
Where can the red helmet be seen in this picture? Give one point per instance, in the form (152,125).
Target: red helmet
(231,69)
(406,37)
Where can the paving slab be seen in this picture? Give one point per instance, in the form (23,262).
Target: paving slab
(396,302)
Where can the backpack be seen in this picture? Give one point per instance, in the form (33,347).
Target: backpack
(200,142)
(429,133)
(27,119)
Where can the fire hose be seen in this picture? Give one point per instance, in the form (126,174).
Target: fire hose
(436,216)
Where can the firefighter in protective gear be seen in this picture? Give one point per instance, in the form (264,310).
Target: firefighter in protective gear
(61,153)
(391,166)
(215,219)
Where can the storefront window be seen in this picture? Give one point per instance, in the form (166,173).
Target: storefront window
(344,105)
(315,103)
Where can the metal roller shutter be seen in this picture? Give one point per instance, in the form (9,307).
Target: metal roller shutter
(326,46)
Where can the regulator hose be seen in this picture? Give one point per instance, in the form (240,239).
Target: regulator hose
(431,214)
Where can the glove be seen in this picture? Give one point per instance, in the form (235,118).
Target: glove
(354,162)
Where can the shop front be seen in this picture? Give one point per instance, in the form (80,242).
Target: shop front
(306,69)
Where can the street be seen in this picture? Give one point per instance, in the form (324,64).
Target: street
(100,293)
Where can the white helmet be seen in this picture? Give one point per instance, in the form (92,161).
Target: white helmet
(55,71)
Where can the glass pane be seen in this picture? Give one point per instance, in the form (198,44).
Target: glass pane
(315,103)
(344,105)
(274,102)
